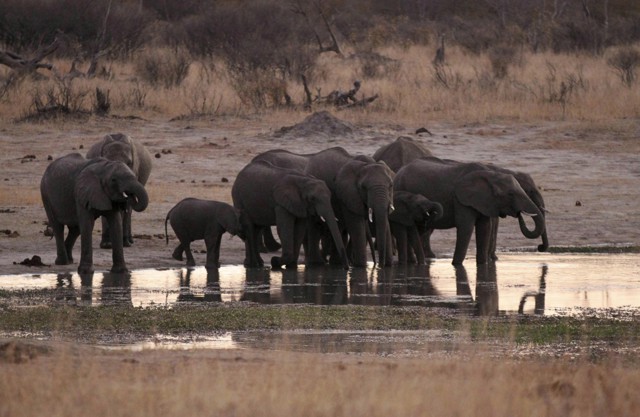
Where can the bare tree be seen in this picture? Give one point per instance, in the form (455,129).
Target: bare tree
(298,8)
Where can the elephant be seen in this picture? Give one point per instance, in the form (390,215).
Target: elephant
(76,191)
(269,195)
(361,189)
(120,147)
(413,214)
(470,197)
(194,219)
(400,152)
(530,188)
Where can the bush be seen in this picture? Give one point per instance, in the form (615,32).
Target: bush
(625,61)
(163,67)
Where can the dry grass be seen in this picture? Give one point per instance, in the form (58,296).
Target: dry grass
(541,86)
(72,382)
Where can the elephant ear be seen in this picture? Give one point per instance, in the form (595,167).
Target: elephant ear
(89,192)
(347,187)
(475,190)
(287,194)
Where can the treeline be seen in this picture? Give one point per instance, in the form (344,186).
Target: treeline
(252,32)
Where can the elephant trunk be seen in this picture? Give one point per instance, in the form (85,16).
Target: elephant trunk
(379,204)
(330,219)
(137,196)
(544,246)
(538,219)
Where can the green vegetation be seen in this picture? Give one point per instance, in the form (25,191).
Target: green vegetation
(88,323)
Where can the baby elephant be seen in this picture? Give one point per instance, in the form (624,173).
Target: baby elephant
(194,219)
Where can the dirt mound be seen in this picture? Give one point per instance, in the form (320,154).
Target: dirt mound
(320,123)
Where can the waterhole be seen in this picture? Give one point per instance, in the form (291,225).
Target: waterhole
(543,284)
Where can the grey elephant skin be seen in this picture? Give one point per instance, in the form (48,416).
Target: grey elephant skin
(269,195)
(325,165)
(413,215)
(362,190)
(400,152)
(195,219)
(121,147)
(530,188)
(76,191)
(470,197)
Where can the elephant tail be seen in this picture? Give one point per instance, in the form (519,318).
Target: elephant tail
(166,234)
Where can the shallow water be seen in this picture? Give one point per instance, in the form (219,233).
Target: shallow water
(549,284)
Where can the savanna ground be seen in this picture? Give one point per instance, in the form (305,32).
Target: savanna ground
(567,119)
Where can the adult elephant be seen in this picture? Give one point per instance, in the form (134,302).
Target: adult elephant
(362,190)
(400,152)
(413,215)
(470,197)
(530,188)
(76,191)
(269,195)
(122,148)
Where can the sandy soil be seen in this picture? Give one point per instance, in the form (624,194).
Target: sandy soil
(589,173)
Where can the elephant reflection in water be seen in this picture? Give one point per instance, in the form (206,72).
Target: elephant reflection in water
(319,285)
(487,300)
(257,286)
(212,291)
(116,289)
(538,296)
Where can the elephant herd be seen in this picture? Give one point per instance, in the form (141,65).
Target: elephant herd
(334,204)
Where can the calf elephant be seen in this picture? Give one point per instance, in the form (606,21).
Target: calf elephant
(470,197)
(120,147)
(194,219)
(400,152)
(268,195)
(76,191)
(413,215)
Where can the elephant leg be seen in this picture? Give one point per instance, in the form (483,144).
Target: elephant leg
(187,251)
(483,239)
(313,254)
(286,226)
(74,232)
(494,238)
(117,252)
(252,257)
(400,234)
(415,243)
(105,239)
(62,256)
(357,234)
(463,238)
(426,244)
(213,241)
(177,252)
(127,236)
(86,222)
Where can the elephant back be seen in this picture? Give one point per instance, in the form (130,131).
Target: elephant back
(401,152)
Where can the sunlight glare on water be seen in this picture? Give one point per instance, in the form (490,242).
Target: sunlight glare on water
(537,283)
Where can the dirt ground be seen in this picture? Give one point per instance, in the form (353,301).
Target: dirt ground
(589,173)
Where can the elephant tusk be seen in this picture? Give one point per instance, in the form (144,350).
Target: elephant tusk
(323,220)
(370,215)
(529,214)
(391,209)
(125,195)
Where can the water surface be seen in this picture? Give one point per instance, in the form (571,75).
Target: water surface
(549,284)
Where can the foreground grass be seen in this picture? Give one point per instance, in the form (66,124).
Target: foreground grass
(90,323)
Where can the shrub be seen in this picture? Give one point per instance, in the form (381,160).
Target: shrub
(625,61)
(163,66)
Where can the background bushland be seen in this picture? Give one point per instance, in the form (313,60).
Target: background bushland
(259,49)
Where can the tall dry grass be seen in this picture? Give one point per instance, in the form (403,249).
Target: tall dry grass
(541,86)
(251,383)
